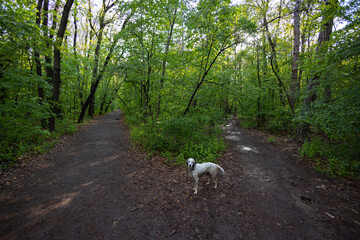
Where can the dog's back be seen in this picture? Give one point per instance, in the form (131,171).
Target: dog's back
(213,168)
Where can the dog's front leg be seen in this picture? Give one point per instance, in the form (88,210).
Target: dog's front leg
(196,185)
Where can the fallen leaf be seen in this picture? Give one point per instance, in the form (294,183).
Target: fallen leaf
(130,175)
(321,187)
(329,215)
(358,223)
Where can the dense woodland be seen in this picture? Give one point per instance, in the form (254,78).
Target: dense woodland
(178,69)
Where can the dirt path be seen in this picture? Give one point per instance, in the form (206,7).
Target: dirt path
(94,187)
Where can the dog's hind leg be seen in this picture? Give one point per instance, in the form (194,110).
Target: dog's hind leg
(214,178)
(196,185)
(215,182)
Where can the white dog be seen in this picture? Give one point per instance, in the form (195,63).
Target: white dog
(198,169)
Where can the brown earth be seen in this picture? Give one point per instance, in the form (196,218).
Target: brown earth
(93,186)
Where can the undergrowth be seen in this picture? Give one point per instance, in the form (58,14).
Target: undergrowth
(20,138)
(179,138)
(335,158)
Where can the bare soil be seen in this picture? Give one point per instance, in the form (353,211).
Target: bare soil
(94,186)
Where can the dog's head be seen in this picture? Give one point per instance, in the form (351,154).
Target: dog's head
(191,163)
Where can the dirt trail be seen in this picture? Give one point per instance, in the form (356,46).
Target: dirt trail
(93,186)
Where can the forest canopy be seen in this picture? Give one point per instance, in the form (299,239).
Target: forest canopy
(178,69)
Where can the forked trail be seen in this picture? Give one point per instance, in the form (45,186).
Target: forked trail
(93,186)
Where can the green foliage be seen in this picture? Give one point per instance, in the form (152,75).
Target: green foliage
(272,139)
(20,138)
(333,158)
(335,113)
(180,138)
(339,167)
(313,148)
(218,60)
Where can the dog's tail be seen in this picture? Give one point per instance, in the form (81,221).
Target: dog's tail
(222,170)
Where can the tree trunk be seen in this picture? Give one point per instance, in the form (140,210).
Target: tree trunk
(100,75)
(172,23)
(49,70)
(96,84)
(260,116)
(204,75)
(324,36)
(75,56)
(102,24)
(275,66)
(95,71)
(57,60)
(37,61)
(36,53)
(295,84)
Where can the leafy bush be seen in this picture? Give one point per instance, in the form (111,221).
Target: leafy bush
(313,148)
(333,158)
(179,138)
(279,121)
(272,139)
(24,136)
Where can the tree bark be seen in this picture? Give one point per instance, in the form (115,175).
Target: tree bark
(102,24)
(275,66)
(36,53)
(260,116)
(49,70)
(324,36)
(295,84)
(75,56)
(57,61)
(95,69)
(100,75)
(172,23)
(222,49)
(37,61)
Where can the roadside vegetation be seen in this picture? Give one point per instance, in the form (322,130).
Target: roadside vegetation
(179,70)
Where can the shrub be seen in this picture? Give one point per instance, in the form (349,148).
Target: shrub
(179,138)
(21,137)
(333,158)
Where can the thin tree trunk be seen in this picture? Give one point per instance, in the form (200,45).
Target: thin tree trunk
(36,53)
(172,23)
(49,70)
(273,60)
(295,84)
(57,61)
(259,114)
(100,75)
(115,93)
(204,76)
(37,61)
(96,83)
(95,71)
(75,56)
(275,66)
(102,24)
